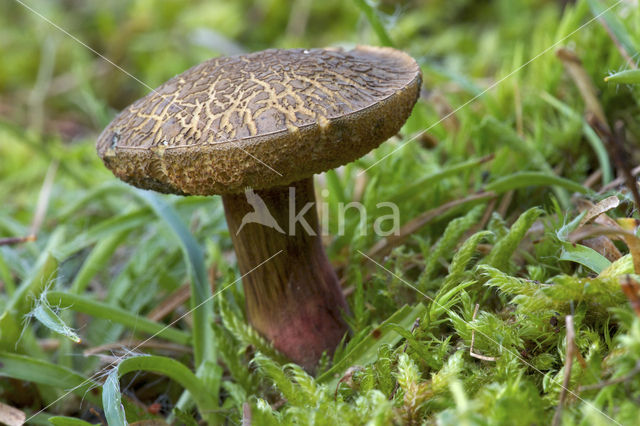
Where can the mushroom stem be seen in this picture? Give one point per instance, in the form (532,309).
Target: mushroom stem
(293,299)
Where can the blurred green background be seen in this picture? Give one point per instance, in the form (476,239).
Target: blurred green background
(106,244)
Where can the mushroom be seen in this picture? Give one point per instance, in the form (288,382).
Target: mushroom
(255,128)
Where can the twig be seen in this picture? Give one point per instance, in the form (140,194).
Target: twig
(473,340)
(606,383)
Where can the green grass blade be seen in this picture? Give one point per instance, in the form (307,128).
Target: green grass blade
(201,297)
(97,260)
(112,400)
(97,193)
(585,256)
(578,253)
(175,371)
(102,310)
(375,22)
(19,304)
(614,24)
(69,421)
(411,188)
(624,77)
(105,229)
(592,137)
(39,371)
(526,179)
(6,277)
(52,321)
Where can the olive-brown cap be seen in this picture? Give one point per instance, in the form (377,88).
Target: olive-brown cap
(262,119)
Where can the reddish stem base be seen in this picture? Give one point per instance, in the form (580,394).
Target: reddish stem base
(294,298)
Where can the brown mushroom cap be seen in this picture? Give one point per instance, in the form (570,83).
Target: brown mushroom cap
(212,129)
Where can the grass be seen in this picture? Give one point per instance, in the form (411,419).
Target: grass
(513,269)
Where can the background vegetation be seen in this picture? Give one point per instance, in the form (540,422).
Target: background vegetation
(496,198)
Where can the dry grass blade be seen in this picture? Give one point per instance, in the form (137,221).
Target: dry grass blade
(624,228)
(631,289)
(11,416)
(616,145)
(151,344)
(16,240)
(595,212)
(505,202)
(568,364)
(473,340)
(170,303)
(574,67)
(246,414)
(618,181)
(592,179)
(445,111)
(615,140)
(385,245)
(347,378)
(588,231)
(600,208)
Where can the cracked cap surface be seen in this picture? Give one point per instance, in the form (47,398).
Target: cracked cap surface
(262,119)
